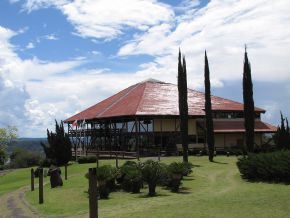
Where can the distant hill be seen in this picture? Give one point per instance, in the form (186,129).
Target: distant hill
(31,144)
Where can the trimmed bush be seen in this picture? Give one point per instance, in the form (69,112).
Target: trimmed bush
(87,159)
(187,168)
(153,173)
(106,179)
(175,174)
(269,167)
(131,177)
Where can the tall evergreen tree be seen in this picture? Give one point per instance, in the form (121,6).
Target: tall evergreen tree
(249,108)
(282,136)
(183,106)
(59,145)
(208,111)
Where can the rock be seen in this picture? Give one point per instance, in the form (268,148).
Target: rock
(55,178)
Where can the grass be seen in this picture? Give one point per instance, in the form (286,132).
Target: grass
(213,190)
(14,180)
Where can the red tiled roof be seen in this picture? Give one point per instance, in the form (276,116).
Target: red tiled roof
(237,126)
(153,98)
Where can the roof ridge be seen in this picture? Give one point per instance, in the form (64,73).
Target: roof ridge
(137,109)
(118,100)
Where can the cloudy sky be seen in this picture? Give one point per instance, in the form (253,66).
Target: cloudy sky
(58,57)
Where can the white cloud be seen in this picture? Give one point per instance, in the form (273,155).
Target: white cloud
(19,103)
(223,27)
(107,19)
(51,37)
(12,97)
(30,45)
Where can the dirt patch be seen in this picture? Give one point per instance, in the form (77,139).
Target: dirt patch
(14,205)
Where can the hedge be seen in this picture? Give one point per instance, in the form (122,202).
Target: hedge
(87,159)
(268,167)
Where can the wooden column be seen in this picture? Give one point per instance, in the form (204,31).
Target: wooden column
(32,179)
(93,193)
(76,155)
(224,140)
(126,139)
(161,133)
(117,161)
(137,137)
(65,171)
(153,131)
(40,176)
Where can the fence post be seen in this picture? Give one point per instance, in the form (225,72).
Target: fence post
(40,176)
(97,159)
(117,161)
(32,179)
(65,171)
(93,193)
(159,154)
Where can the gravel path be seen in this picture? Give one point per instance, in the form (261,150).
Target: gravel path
(13,205)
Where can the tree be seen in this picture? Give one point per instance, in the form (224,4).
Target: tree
(249,108)
(183,106)
(6,136)
(59,146)
(208,111)
(282,136)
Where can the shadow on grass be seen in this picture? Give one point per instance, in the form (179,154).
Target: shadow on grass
(188,178)
(156,195)
(184,191)
(195,165)
(273,182)
(218,162)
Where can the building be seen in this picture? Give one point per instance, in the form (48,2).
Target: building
(145,118)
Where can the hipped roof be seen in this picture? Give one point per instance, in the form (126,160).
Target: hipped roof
(153,98)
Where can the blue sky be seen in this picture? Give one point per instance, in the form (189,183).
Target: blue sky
(58,57)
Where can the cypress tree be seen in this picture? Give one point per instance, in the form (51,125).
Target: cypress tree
(208,111)
(59,146)
(183,106)
(249,111)
(282,136)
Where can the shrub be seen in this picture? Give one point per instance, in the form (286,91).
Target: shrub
(270,167)
(153,173)
(105,177)
(59,145)
(21,158)
(131,177)
(36,172)
(175,173)
(46,163)
(187,168)
(87,159)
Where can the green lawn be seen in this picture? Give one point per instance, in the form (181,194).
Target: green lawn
(213,190)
